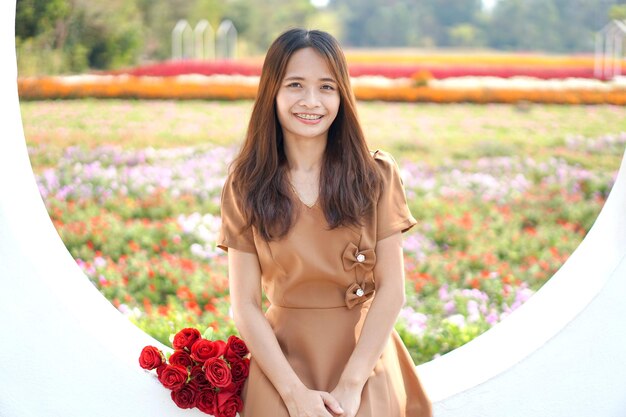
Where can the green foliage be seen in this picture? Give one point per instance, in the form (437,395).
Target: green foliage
(547,25)
(259,23)
(37,17)
(540,25)
(111,32)
(60,36)
(617,12)
(425,23)
(465,35)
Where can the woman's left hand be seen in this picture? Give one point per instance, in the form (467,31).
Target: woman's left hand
(349,398)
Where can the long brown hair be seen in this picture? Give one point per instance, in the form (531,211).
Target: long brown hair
(349,178)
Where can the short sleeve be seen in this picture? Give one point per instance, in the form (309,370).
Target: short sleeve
(232,233)
(393,213)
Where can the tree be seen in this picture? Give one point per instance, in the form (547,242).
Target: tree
(408,23)
(45,20)
(548,25)
(158,18)
(111,31)
(465,35)
(377,22)
(260,22)
(617,12)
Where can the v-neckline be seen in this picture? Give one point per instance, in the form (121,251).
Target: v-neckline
(311,206)
(297,196)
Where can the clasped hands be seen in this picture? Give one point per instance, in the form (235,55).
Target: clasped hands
(340,402)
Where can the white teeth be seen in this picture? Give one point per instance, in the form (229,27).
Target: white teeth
(308,116)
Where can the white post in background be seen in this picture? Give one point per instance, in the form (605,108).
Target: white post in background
(597,63)
(204,40)
(608,53)
(609,50)
(226,40)
(182,40)
(618,40)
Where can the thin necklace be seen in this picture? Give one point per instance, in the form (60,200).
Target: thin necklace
(298,194)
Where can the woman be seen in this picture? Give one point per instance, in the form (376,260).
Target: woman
(314,219)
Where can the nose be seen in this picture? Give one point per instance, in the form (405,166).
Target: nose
(310,98)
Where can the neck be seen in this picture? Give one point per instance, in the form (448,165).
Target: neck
(305,154)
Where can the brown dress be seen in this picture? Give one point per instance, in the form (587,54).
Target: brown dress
(320,284)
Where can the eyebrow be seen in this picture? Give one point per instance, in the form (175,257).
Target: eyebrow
(297,78)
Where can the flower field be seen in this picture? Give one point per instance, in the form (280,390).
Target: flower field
(398,66)
(420,87)
(376,75)
(391,63)
(140,213)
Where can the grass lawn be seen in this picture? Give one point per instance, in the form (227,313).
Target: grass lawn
(427,132)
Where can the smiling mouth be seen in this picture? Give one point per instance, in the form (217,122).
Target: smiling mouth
(306,116)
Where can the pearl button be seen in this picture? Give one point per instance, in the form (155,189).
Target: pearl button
(360,257)
(359,292)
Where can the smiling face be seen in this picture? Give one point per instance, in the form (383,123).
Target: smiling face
(308,98)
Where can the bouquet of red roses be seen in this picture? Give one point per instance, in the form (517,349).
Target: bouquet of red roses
(202,373)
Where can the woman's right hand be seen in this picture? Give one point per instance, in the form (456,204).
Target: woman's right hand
(304,402)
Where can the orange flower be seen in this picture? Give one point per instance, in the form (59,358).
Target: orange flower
(184,293)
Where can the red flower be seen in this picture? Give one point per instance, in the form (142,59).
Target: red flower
(160,370)
(199,373)
(198,379)
(228,403)
(217,372)
(204,349)
(206,401)
(181,358)
(239,370)
(235,349)
(185,397)
(151,358)
(173,377)
(185,338)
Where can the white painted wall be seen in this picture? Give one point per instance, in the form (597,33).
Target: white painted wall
(68,352)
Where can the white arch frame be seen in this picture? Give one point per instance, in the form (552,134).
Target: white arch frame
(68,352)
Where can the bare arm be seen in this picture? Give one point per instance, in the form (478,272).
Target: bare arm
(380,320)
(245,294)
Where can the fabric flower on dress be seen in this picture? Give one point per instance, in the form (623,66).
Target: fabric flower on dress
(362,262)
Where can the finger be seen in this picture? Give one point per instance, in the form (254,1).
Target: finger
(331,403)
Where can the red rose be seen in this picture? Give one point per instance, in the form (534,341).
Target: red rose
(204,349)
(217,372)
(235,349)
(198,378)
(185,397)
(173,377)
(239,370)
(151,358)
(160,370)
(185,338)
(205,401)
(228,404)
(181,358)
